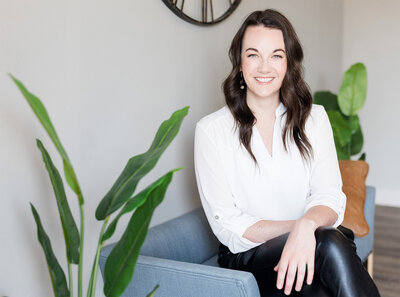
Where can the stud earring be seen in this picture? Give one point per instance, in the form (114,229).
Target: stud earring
(241,81)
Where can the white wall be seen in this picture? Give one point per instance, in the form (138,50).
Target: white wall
(371,33)
(109,72)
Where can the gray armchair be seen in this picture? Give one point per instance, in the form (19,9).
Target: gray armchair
(181,256)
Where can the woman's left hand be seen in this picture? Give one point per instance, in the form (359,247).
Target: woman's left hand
(297,257)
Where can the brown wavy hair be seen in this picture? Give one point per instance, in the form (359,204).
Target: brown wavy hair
(294,93)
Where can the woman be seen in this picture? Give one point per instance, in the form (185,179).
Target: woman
(268,174)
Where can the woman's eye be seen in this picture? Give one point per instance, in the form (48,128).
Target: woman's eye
(277,57)
(252,56)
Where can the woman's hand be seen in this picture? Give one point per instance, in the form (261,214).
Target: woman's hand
(297,256)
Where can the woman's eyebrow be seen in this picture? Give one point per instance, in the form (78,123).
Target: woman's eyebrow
(256,50)
(252,49)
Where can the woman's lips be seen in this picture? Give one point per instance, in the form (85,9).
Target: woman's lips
(264,80)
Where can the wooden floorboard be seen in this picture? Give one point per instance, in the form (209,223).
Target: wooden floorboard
(387,250)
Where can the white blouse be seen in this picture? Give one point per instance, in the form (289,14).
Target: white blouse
(236,193)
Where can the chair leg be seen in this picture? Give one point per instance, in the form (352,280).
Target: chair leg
(370,264)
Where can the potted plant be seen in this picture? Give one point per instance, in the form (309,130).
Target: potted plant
(342,110)
(122,259)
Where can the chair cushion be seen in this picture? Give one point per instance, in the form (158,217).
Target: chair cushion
(213,261)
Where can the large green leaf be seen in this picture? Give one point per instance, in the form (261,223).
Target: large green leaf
(57,275)
(340,127)
(353,92)
(357,142)
(139,166)
(121,262)
(71,233)
(327,100)
(41,113)
(137,201)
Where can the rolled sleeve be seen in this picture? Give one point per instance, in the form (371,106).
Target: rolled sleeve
(226,220)
(325,181)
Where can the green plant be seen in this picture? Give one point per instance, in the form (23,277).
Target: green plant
(121,262)
(343,111)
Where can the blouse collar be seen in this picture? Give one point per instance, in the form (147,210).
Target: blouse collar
(280,109)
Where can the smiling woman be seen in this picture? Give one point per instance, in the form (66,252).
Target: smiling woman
(268,175)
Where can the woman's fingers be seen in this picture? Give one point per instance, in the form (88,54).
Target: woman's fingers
(301,271)
(310,271)
(281,274)
(291,274)
(289,271)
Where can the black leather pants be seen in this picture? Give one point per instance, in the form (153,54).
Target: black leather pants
(338,270)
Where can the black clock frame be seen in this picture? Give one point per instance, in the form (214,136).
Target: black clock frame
(171,4)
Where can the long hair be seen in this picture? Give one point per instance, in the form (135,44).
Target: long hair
(294,92)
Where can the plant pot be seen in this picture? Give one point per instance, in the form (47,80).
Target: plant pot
(354,174)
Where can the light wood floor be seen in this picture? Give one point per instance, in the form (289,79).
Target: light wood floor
(387,250)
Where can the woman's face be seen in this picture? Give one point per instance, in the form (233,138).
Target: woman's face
(264,62)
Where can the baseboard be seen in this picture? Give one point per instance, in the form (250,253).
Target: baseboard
(387,197)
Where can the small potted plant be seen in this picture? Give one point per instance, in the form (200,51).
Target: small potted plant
(343,111)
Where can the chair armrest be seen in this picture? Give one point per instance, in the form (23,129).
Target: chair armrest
(365,244)
(182,279)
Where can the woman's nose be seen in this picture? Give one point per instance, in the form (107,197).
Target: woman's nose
(263,65)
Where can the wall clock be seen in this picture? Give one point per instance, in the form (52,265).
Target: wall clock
(202,12)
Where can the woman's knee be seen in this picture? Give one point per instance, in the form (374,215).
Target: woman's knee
(331,241)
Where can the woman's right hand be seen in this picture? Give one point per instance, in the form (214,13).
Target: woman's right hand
(297,256)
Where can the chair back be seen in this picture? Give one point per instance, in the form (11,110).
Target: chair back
(187,238)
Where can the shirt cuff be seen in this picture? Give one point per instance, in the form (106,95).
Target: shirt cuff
(231,230)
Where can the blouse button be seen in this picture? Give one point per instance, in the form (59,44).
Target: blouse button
(216,217)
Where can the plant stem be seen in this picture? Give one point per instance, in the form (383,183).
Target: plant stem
(82,236)
(71,283)
(95,268)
